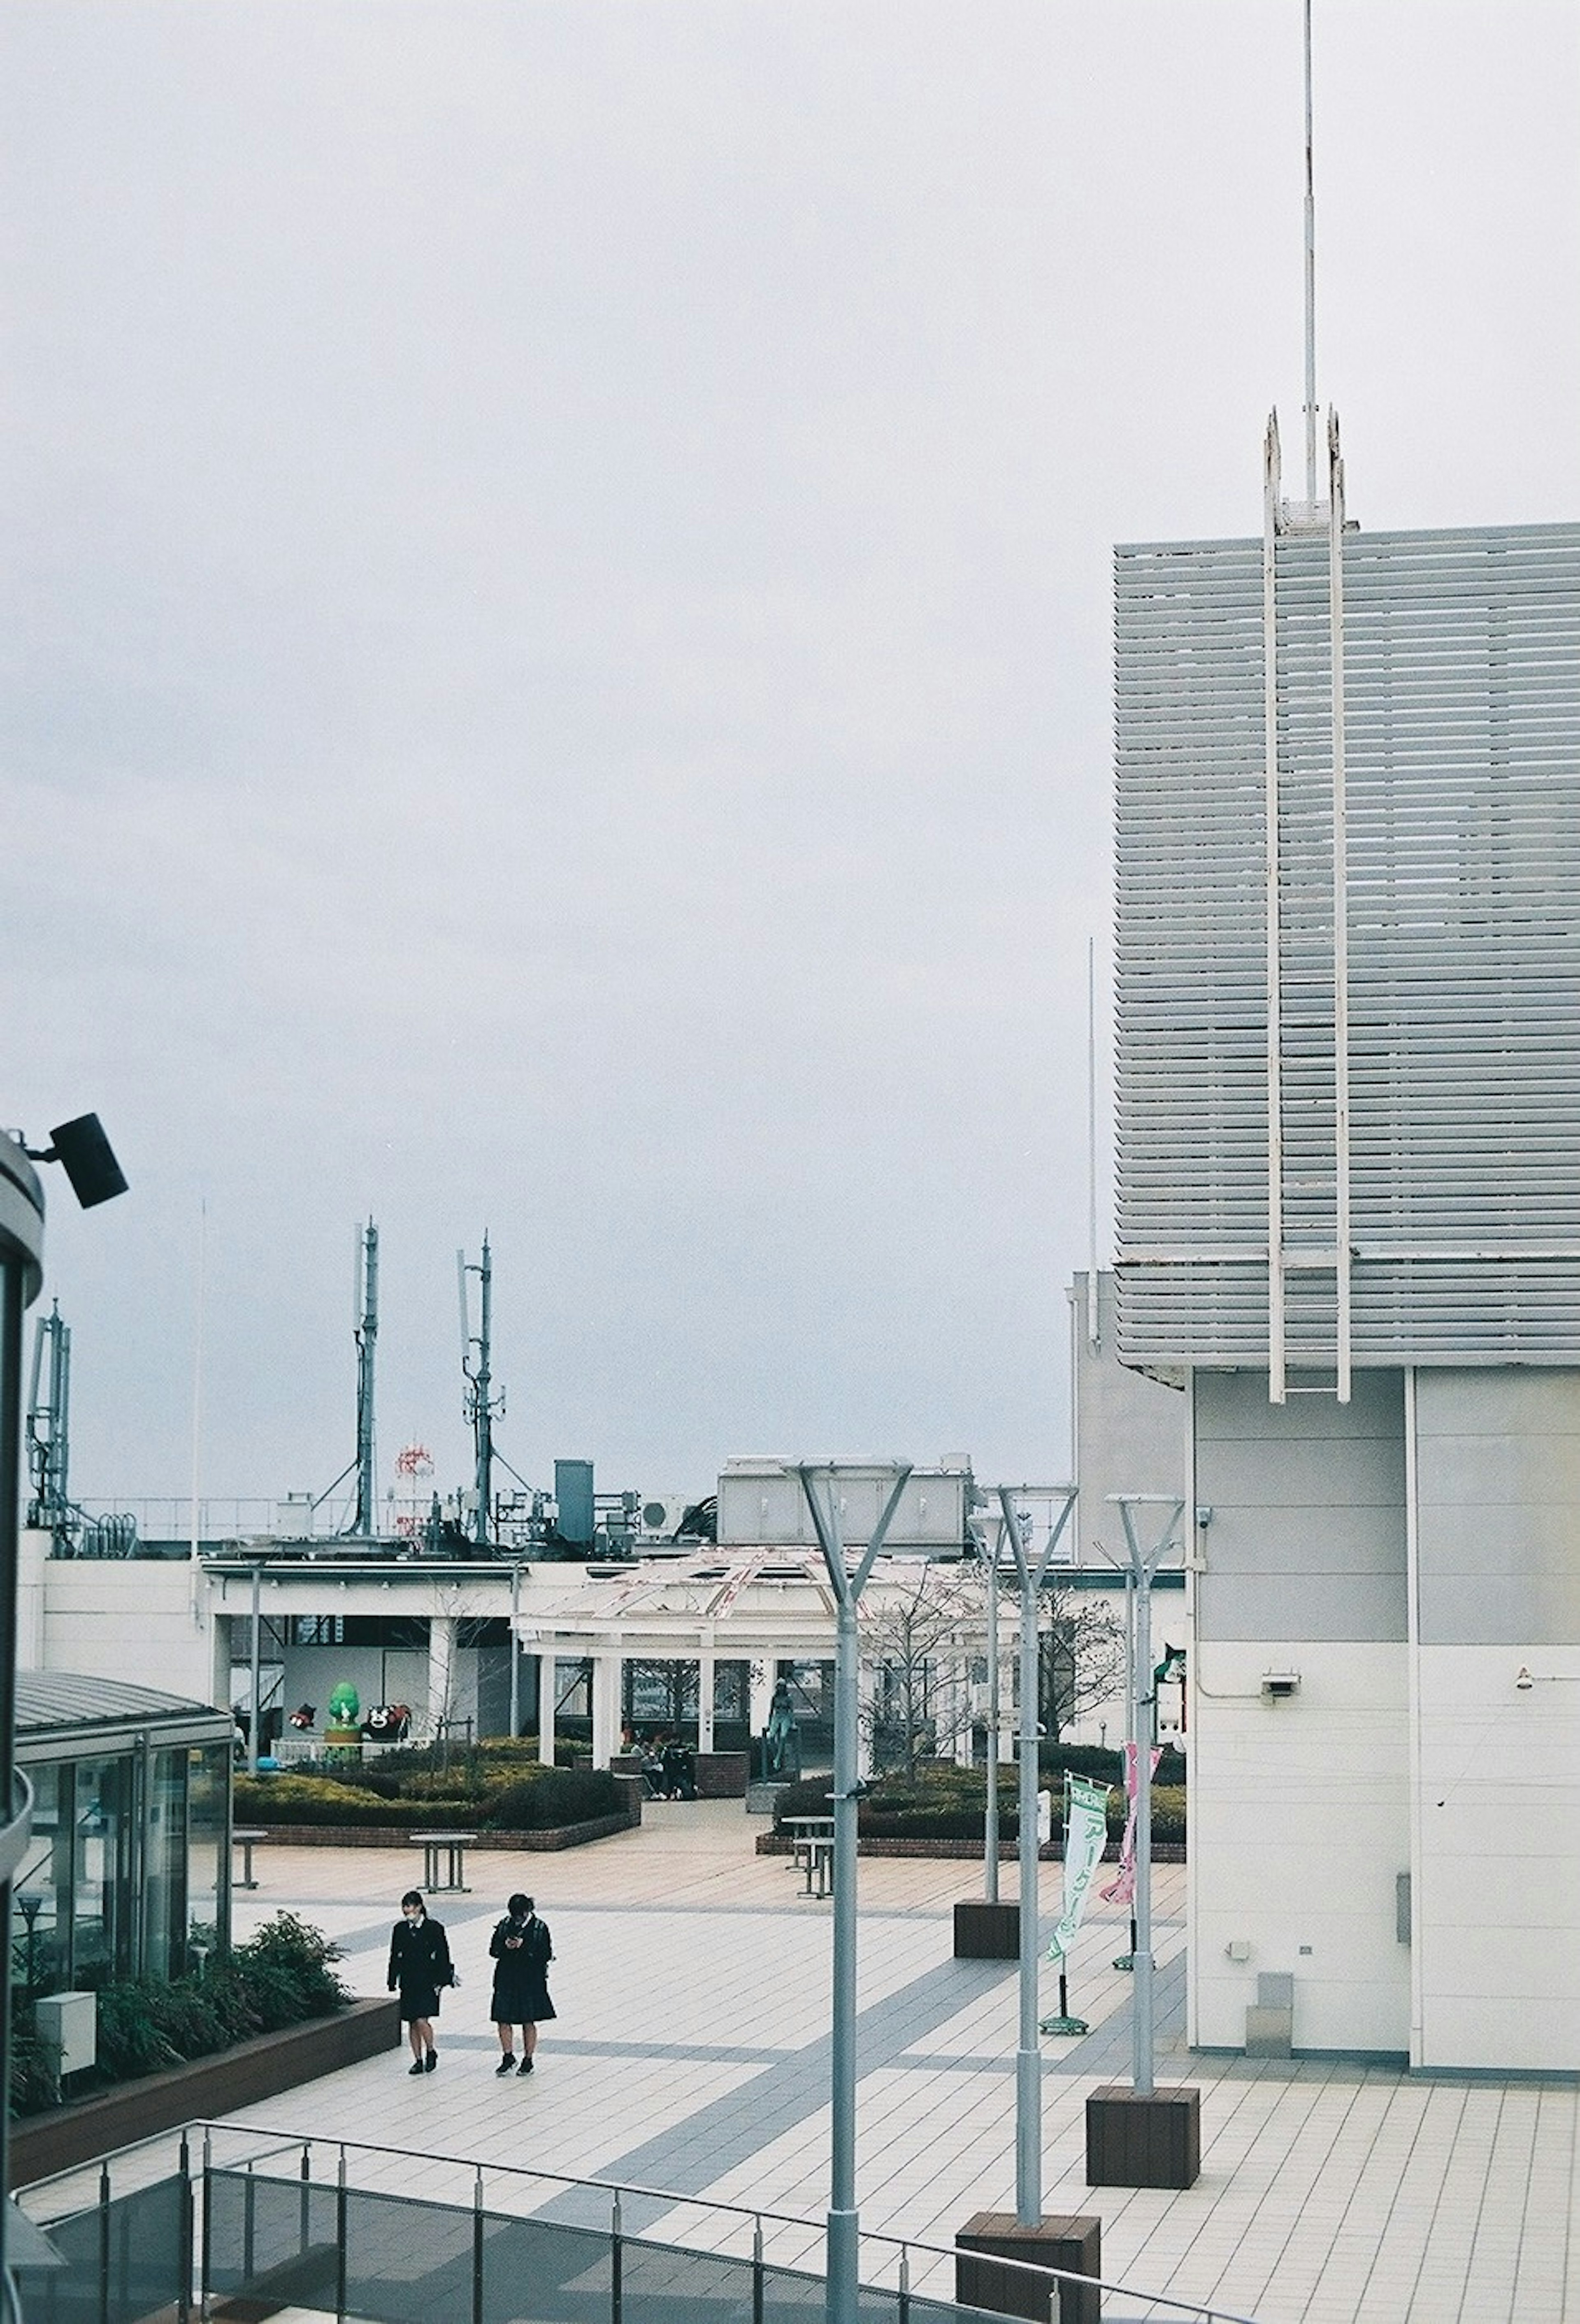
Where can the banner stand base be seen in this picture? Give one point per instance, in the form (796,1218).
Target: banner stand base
(1063,2025)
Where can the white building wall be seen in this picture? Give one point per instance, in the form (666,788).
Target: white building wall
(140,1619)
(1299,1825)
(1299,1809)
(1496,1472)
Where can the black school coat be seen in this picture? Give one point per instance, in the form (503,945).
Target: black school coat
(420,1965)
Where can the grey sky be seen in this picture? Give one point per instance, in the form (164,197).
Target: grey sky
(557,652)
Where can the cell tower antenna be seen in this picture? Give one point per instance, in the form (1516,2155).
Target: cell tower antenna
(366,1521)
(482,1402)
(1310,280)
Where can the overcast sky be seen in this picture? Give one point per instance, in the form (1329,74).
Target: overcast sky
(558,644)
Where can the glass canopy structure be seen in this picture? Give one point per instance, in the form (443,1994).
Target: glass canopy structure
(126,1873)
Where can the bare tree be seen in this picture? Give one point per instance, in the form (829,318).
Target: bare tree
(916,1634)
(1081,1658)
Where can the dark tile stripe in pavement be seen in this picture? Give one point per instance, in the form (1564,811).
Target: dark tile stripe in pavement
(703,2147)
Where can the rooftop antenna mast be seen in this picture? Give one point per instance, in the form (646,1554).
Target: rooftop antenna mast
(367,1328)
(481,1405)
(1310,282)
(48,1426)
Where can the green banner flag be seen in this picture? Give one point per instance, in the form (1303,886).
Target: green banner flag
(1086,1833)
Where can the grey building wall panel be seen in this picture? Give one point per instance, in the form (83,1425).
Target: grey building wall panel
(1329,1609)
(1261,1537)
(1462,669)
(1361,1474)
(1131,1434)
(1499,1507)
(1307,1537)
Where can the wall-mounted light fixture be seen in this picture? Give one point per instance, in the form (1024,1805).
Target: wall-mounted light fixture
(1277,1686)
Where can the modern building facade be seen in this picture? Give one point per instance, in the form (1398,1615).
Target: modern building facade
(1348,1226)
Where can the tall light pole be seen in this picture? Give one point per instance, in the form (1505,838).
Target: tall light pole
(1144,1562)
(1029,1571)
(989,1822)
(820,1485)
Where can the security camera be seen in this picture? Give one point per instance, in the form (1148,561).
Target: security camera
(1523,1679)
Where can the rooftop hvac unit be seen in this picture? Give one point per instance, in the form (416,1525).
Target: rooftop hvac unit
(662,1514)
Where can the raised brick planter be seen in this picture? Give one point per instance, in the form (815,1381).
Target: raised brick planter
(204,2088)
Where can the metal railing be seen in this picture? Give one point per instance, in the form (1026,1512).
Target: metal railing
(220,2208)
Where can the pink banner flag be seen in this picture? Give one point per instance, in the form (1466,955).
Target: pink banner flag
(1122,1888)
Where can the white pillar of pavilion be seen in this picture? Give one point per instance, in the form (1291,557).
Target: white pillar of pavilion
(705,1676)
(548,1698)
(608,1664)
(441,1671)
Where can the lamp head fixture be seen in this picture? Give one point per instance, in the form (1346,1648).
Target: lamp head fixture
(88,1158)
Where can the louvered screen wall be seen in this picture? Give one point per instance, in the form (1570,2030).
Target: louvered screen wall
(1462,660)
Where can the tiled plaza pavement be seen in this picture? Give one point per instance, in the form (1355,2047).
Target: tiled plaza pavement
(691,2052)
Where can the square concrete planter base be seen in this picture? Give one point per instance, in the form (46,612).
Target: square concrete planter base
(990,2237)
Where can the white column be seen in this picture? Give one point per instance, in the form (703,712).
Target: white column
(704,1668)
(606,1673)
(441,1669)
(548,1700)
(760,1691)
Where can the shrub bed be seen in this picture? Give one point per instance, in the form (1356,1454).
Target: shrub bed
(948,1803)
(504,1793)
(282,1977)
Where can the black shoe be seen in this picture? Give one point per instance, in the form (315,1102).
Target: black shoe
(430,2062)
(526,2066)
(507,2064)
(417,2069)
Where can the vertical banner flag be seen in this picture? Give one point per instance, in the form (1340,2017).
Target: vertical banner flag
(1085,1831)
(1122,1888)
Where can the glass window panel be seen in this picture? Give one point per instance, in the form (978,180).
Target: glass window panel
(42,1889)
(208,1886)
(103,1914)
(164,1864)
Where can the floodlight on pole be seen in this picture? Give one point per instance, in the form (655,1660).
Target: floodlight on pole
(1143,1563)
(1030,1573)
(820,1483)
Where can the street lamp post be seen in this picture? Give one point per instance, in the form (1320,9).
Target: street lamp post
(820,1486)
(1144,1562)
(1030,1573)
(990,1825)
(1143,2136)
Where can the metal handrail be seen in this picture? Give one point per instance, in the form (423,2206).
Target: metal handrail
(752,2216)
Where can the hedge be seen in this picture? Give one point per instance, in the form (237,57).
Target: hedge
(515,1797)
(949,1803)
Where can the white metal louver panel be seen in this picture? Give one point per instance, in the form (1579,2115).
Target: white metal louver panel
(1461,687)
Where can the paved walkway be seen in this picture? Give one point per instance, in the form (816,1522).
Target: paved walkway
(691,2052)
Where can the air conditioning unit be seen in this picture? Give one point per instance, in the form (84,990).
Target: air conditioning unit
(662,1513)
